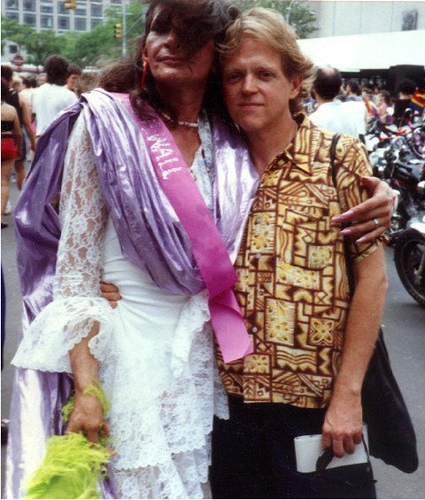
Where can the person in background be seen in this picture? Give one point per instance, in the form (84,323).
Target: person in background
(29,83)
(403,104)
(312,341)
(371,108)
(41,79)
(14,99)
(87,81)
(384,107)
(355,106)
(11,146)
(309,103)
(74,74)
(418,100)
(11,149)
(376,89)
(330,114)
(29,86)
(53,96)
(16,84)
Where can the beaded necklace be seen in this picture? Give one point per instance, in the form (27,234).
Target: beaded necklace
(180,122)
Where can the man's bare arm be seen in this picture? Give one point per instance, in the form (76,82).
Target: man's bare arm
(343,424)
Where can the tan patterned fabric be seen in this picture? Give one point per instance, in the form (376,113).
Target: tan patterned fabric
(293,288)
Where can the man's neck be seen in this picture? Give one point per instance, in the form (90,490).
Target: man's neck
(264,146)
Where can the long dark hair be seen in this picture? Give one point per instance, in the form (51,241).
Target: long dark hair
(195,23)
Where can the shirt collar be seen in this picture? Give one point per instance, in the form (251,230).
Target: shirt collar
(302,150)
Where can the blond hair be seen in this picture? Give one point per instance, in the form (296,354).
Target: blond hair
(269,27)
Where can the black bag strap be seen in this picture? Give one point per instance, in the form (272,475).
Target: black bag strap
(334,172)
(332,156)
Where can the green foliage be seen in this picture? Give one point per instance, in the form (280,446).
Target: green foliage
(98,46)
(135,18)
(301,18)
(13,31)
(91,47)
(41,45)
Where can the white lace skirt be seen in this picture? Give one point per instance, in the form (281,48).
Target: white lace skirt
(157,367)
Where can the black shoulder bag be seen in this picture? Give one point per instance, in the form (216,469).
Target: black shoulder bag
(392,437)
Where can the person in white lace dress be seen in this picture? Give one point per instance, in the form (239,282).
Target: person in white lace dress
(153,354)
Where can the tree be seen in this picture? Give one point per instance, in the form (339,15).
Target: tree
(13,31)
(98,46)
(297,12)
(41,45)
(135,20)
(92,47)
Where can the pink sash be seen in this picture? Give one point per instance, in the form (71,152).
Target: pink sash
(208,248)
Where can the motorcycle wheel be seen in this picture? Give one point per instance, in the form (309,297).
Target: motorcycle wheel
(408,253)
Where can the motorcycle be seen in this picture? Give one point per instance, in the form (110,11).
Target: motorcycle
(407,177)
(401,164)
(409,257)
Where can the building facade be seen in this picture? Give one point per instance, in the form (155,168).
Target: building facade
(334,18)
(340,18)
(52,14)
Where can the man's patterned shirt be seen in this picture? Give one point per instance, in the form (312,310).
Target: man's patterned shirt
(293,287)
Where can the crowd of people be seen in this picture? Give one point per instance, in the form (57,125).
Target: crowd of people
(351,108)
(36,100)
(194,265)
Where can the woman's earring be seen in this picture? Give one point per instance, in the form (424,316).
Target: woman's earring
(144,73)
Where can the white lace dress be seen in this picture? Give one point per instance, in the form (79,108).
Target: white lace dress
(155,350)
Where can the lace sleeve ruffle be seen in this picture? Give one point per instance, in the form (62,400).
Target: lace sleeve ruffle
(58,328)
(77,306)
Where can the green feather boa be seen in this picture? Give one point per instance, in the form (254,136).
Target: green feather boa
(72,467)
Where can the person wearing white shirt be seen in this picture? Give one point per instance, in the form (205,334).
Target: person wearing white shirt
(355,106)
(52,97)
(330,113)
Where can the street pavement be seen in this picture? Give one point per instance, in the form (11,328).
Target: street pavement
(404,326)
